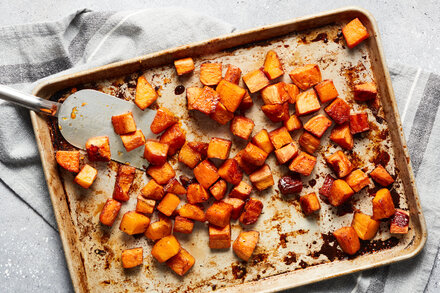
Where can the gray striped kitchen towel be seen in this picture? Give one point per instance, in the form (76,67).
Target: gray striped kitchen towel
(87,39)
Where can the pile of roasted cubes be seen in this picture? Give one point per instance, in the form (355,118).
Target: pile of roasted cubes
(222,98)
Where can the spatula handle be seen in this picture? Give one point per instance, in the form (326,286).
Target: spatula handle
(29,101)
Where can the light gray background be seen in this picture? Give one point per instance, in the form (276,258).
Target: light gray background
(31,258)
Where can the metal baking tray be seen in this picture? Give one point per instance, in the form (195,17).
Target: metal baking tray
(293,250)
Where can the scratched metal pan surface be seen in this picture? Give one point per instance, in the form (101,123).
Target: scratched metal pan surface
(293,249)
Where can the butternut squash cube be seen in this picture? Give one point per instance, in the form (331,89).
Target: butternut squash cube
(233,74)
(303,164)
(218,189)
(196,194)
(152,190)
(280,137)
(134,223)
(181,262)
(309,203)
(399,222)
(161,174)
(326,91)
(245,244)
(69,160)
(365,92)
(262,178)
(237,205)
(241,191)
(86,176)
(339,163)
(133,140)
(342,136)
(219,148)
(221,114)
(261,140)
(174,137)
(145,206)
(244,165)
(132,257)
(275,94)
(165,248)
(326,186)
(210,73)
(383,205)
(183,225)
(293,123)
(109,212)
(277,112)
(256,80)
(306,76)
(339,111)
(317,125)
(347,240)
(124,123)
(207,101)
(192,212)
(189,156)
(230,94)
(98,149)
(159,229)
(365,227)
(359,123)
(381,176)
(163,119)
(308,142)
(206,173)
(354,33)
(155,152)
(340,192)
(168,204)
(293,92)
(254,155)
(251,212)
(272,65)
(219,237)
(306,103)
(286,153)
(184,66)
(174,186)
(192,97)
(124,180)
(145,93)
(357,180)
(242,127)
(231,172)
(246,103)
(219,214)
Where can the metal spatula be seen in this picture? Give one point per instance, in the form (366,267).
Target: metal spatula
(87,113)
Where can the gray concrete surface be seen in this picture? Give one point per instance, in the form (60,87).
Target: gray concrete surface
(31,257)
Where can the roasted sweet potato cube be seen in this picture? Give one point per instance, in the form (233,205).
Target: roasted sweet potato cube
(251,211)
(233,74)
(303,164)
(242,127)
(245,244)
(275,94)
(357,180)
(145,93)
(365,92)
(133,140)
(241,191)
(254,155)
(98,149)
(152,190)
(189,156)
(317,125)
(292,91)
(219,237)
(175,187)
(339,163)
(359,123)
(218,189)
(155,152)
(399,222)
(69,160)
(145,206)
(124,123)
(192,96)
(162,174)
(221,114)
(256,80)
(354,32)
(230,94)
(196,194)
(247,102)
(174,137)
(219,214)
(207,101)
(159,229)
(272,65)
(383,205)
(347,240)
(186,181)
(219,148)
(261,140)
(262,178)
(244,165)
(210,73)
(308,142)
(132,257)
(342,136)
(124,180)
(165,248)
(381,176)
(163,119)
(293,123)
(339,111)
(206,173)
(309,203)
(306,103)
(109,212)
(86,176)
(326,186)
(183,225)
(365,227)
(182,262)
(237,205)
(168,204)
(184,66)
(134,223)
(277,112)
(340,192)
(286,153)
(231,172)
(192,212)
(280,137)
(306,76)
(326,91)
(290,184)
